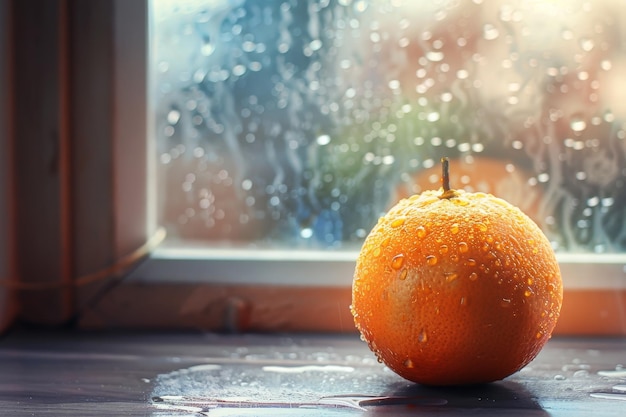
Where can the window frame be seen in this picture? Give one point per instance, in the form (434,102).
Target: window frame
(199,288)
(60,218)
(7,267)
(110,179)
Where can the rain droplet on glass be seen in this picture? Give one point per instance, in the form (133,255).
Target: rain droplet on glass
(490,32)
(578,125)
(435,56)
(173,117)
(586,44)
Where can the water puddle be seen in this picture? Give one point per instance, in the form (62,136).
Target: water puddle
(307,368)
(617,392)
(609,395)
(238,388)
(210,387)
(617,373)
(201,405)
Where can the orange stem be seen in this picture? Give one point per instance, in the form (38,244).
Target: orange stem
(445,174)
(445,180)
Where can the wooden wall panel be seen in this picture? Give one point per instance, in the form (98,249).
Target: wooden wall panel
(41,155)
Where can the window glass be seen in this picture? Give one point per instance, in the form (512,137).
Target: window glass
(297,123)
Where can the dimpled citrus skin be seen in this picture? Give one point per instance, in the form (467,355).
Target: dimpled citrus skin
(457,290)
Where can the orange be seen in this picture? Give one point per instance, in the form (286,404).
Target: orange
(452,287)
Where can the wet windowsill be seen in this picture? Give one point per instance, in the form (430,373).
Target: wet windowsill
(78,374)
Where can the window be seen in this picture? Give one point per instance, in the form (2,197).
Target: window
(293,127)
(296,124)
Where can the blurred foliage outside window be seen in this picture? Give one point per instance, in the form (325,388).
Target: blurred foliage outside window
(297,123)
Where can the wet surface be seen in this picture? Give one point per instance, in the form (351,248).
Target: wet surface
(310,375)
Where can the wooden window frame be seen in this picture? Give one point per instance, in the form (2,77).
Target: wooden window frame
(7,250)
(77,93)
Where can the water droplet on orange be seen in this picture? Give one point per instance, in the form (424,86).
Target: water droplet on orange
(386,242)
(470,262)
(489,238)
(451,276)
(398,222)
(473,276)
(539,335)
(460,201)
(422,337)
(529,281)
(505,302)
(409,364)
(420,232)
(404,274)
(528,293)
(397,261)
(376,252)
(482,227)
(454,229)
(443,249)
(463,247)
(550,287)
(463,301)
(431,260)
